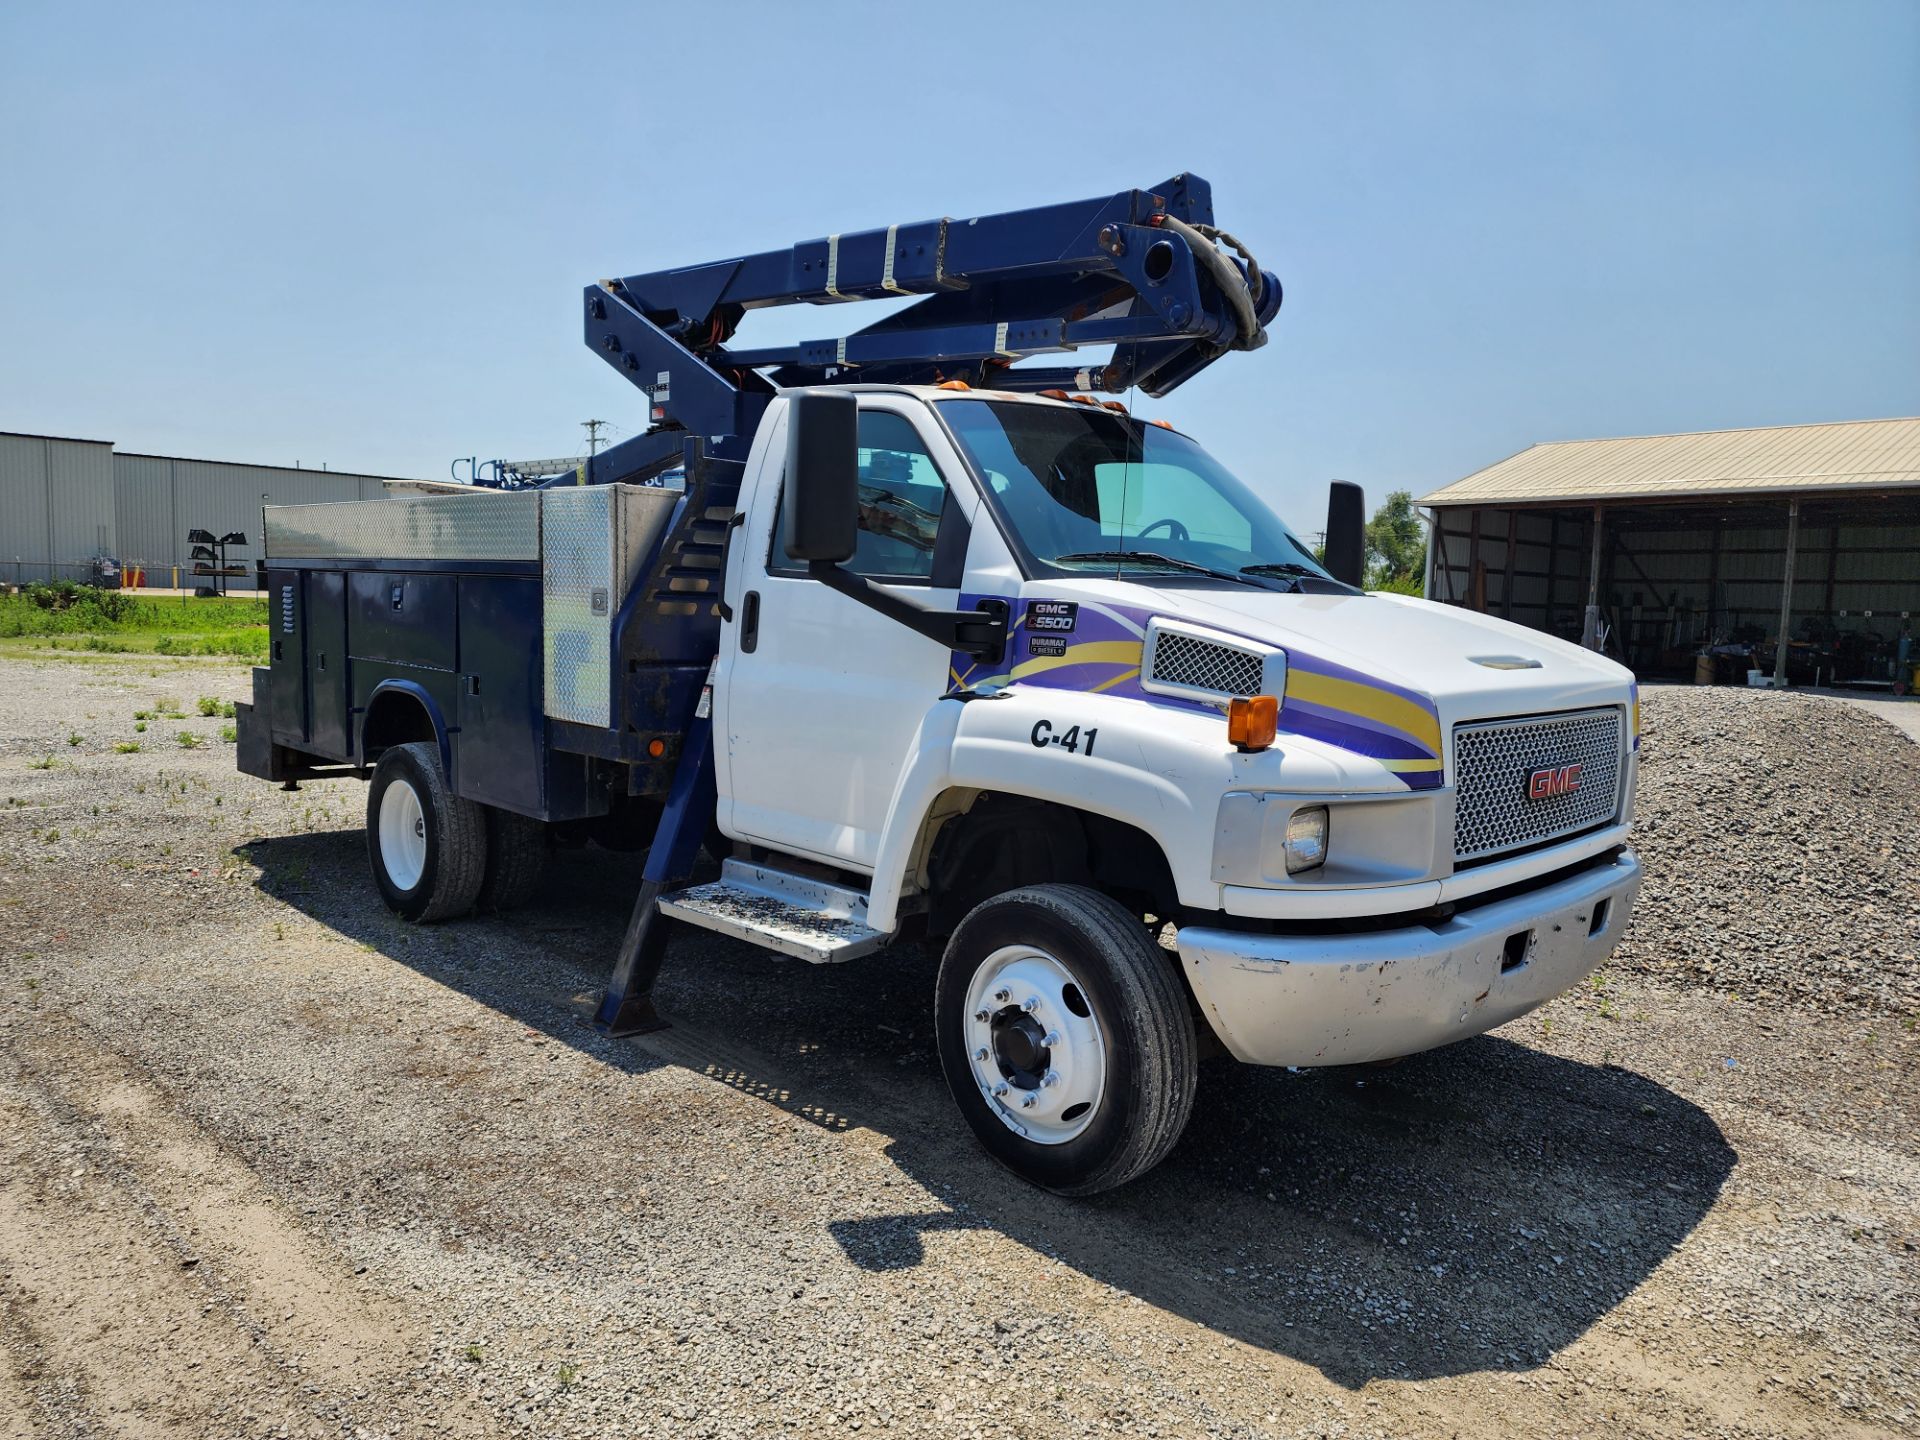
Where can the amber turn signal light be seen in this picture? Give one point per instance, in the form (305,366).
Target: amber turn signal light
(1252,724)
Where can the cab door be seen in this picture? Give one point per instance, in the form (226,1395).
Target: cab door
(818,699)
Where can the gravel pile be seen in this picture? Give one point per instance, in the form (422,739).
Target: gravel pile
(1781,838)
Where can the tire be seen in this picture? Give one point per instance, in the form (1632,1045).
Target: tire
(436,874)
(1049,941)
(516,859)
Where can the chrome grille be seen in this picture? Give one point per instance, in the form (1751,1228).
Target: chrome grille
(1494,761)
(1188,660)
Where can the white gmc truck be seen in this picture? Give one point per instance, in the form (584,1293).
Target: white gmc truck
(1015,673)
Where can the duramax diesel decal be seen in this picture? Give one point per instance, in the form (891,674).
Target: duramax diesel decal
(1397,727)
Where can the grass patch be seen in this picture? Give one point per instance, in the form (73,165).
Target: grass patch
(45,762)
(127,747)
(230,734)
(189,741)
(117,622)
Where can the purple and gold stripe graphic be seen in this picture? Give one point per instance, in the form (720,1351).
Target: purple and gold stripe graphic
(1395,727)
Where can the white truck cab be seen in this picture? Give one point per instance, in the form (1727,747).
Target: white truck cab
(1427,839)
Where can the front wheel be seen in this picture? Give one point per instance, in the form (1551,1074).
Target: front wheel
(1065,1038)
(427,846)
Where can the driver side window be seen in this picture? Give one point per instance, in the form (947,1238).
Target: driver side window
(902,498)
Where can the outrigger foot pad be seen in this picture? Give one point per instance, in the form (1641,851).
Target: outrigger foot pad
(635,1015)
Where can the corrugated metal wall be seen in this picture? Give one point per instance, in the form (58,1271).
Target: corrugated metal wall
(159,499)
(62,502)
(1676,579)
(56,506)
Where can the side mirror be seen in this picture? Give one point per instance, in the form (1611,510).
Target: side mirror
(823,476)
(1346,558)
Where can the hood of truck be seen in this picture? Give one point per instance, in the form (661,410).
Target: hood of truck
(1386,675)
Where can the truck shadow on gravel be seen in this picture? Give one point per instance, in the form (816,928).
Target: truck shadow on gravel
(1475,1208)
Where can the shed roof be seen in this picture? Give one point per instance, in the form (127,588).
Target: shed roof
(1844,455)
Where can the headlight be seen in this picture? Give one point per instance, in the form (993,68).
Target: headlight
(1306,839)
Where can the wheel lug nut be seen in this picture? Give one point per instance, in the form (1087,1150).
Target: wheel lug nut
(1032,1004)
(1051,1078)
(1050,1039)
(982,1016)
(1001,1089)
(1003,995)
(981,1053)
(1030,1101)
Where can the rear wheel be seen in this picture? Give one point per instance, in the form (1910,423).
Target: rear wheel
(426,845)
(1065,1038)
(516,859)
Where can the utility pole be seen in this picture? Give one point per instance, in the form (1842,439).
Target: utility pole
(592,428)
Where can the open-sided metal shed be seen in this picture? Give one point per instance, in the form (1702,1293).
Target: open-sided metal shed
(1660,548)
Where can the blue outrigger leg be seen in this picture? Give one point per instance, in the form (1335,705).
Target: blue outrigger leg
(627,1006)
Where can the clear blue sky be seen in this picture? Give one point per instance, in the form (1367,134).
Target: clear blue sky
(356,234)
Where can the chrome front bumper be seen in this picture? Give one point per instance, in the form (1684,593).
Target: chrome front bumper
(1343,999)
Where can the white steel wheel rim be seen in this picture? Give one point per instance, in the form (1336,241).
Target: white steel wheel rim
(403,835)
(1048,1094)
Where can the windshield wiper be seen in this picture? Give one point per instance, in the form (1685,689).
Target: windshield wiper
(1281,567)
(1154,557)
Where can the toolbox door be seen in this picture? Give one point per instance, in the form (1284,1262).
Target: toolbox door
(327,662)
(287,657)
(500,744)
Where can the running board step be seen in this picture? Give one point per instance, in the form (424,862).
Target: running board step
(797,915)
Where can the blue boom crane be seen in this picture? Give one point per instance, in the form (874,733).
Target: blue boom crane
(1142,271)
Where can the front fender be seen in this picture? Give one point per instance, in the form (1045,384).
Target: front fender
(1159,770)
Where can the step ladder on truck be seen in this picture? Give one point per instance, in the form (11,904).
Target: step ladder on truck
(935,646)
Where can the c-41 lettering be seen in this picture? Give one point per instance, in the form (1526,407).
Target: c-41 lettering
(1074,741)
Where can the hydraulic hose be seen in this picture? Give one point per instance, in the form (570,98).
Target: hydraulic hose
(1232,284)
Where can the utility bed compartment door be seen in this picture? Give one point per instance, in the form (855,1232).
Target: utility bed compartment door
(402,619)
(327,663)
(500,746)
(287,657)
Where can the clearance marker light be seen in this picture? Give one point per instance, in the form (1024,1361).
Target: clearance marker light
(1252,723)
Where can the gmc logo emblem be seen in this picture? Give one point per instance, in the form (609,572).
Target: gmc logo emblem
(1552,781)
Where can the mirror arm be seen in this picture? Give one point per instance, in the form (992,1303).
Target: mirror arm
(981,633)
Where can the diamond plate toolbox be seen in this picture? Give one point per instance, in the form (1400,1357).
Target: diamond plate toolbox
(594,541)
(483,526)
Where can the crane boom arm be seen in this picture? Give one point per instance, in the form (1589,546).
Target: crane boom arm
(1137,271)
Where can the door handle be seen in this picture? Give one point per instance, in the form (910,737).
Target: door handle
(750,622)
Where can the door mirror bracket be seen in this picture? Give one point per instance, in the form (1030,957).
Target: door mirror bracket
(980,632)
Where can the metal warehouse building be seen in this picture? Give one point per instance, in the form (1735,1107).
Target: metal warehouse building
(1662,549)
(63,501)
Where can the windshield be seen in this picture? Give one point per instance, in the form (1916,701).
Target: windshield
(1089,490)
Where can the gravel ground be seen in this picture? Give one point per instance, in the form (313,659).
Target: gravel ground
(272,1163)
(1779,834)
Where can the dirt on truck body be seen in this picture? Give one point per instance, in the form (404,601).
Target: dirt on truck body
(274,1162)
